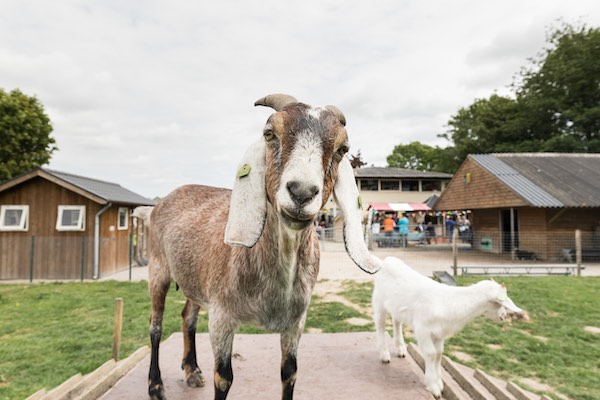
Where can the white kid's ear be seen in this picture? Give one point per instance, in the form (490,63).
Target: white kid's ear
(346,195)
(505,301)
(248,208)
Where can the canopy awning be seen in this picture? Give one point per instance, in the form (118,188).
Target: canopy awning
(399,207)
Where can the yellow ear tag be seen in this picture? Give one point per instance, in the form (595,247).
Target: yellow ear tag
(359,203)
(243,171)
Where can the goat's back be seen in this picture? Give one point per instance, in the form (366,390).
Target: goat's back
(187,228)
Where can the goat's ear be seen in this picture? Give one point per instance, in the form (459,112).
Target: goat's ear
(347,197)
(248,208)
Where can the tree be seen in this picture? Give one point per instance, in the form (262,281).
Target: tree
(415,155)
(25,140)
(560,88)
(356,160)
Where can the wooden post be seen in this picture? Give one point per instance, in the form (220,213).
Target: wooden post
(578,250)
(455,251)
(117,330)
(32,259)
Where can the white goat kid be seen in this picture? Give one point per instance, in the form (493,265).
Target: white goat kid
(262,265)
(434,310)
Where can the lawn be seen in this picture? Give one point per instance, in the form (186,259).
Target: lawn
(49,332)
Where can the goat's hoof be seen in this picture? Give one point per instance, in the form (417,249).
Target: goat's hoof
(156,391)
(384,356)
(436,390)
(195,379)
(402,352)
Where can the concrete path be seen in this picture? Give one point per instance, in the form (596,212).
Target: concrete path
(330,366)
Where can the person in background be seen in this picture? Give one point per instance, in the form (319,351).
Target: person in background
(403,230)
(430,233)
(388,229)
(449,227)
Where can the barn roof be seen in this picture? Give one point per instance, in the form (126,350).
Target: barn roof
(390,172)
(547,179)
(100,191)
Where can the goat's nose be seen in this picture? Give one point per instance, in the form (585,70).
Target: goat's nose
(302,194)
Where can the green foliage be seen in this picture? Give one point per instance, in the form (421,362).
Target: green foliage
(414,155)
(561,85)
(25,140)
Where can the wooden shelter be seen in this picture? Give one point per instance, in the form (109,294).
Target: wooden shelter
(529,203)
(56,225)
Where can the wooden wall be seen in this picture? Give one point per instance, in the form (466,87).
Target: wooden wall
(483,191)
(544,231)
(59,254)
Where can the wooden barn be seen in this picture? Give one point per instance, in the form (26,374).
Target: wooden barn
(56,225)
(529,204)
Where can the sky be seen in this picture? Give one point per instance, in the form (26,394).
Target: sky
(156,94)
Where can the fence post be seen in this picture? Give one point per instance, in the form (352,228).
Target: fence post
(31,259)
(578,250)
(82,256)
(455,251)
(117,330)
(131,253)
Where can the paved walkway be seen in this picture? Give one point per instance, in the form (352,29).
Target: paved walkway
(336,264)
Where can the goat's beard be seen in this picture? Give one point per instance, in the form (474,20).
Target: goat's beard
(296,222)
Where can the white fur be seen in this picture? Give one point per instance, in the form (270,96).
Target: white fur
(248,207)
(434,310)
(347,198)
(303,166)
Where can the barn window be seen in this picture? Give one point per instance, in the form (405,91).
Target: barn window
(14,218)
(390,185)
(70,218)
(123,218)
(369,184)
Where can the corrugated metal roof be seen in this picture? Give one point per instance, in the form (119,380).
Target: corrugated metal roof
(106,190)
(548,179)
(389,172)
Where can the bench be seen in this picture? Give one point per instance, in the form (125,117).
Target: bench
(396,240)
(586,255)
(558,269)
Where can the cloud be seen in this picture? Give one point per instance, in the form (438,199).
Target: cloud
(160,95)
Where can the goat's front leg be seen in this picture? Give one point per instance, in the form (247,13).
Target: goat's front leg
(221,330)
(289,350)
(189,365)
(379,317)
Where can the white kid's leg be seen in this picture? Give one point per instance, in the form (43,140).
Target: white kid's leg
(432,377)
(379,316)
(399,338)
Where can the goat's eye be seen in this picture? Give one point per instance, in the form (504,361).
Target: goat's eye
(268,134)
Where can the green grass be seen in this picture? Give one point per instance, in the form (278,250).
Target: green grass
(49,332)
(553,346)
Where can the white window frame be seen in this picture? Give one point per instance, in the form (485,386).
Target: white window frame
(80,221)
(23,222)
(126,226)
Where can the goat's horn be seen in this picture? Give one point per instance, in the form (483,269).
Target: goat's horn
(336,111)
(276,101)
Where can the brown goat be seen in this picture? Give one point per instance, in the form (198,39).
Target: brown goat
(262,266)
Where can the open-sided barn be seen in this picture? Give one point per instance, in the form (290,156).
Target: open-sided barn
(56,225)
(529,202)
